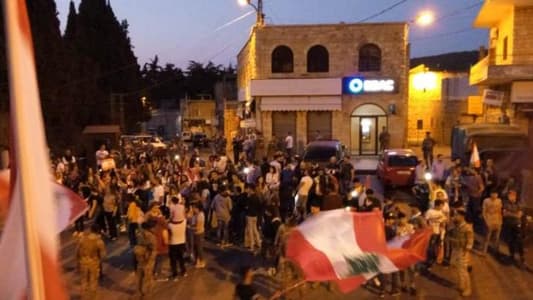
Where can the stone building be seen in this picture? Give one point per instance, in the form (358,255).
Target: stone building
(439,95)
(346,81)
(505,75)
(199,115)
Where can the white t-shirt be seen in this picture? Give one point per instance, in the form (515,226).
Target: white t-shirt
(435,218)
(177,233)
(159,193)
(177,212)
(276,165)
(100,156)
(289,142)
(306,184)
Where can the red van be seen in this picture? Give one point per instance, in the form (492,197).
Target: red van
(396,167)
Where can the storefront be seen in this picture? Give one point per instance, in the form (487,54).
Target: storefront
(283,122)
(371,103)
(366,124)
(319,125)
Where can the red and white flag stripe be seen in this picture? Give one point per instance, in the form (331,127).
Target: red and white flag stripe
(349,248)
(28,246)
(69,205)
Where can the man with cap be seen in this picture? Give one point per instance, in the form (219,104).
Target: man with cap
(462,241)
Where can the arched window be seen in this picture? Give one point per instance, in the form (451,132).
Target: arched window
(317,59)
(369,58)
(282,60)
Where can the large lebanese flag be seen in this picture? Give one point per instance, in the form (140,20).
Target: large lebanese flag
(28,245)
(349,248)
(69,205)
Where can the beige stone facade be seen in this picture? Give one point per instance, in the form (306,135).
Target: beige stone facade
(305,92)
(508,67)
(199,115)
(438,101)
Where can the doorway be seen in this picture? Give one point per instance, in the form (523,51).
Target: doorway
(366,121)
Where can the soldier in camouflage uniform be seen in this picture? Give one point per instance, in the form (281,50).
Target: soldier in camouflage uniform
(462,240)
(90,252)
(287,272)
(145,254)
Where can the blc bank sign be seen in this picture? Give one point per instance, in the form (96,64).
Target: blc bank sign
(360,85)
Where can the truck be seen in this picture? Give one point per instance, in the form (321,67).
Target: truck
(506,145)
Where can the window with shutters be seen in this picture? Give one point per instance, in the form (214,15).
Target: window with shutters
(317,59)
(369,58)
(282,60)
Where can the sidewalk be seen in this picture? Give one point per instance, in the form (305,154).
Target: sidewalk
(365,165)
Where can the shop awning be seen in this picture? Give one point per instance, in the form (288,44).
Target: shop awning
(302,103)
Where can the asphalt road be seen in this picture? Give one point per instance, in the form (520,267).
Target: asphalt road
(491,277)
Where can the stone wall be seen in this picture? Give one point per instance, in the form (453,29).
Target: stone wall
(342,42)
(523,35)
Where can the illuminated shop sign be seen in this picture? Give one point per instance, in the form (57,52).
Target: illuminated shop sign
(360,85)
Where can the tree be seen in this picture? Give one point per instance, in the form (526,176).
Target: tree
(101,38)
(201,79)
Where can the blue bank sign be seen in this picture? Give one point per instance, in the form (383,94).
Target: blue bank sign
(360,85)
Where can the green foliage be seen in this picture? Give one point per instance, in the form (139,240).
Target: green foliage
(367,263)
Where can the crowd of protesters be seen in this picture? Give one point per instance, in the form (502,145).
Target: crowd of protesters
(170,203)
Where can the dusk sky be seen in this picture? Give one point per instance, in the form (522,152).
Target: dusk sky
(183,30)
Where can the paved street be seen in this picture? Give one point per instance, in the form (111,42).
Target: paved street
(492,279)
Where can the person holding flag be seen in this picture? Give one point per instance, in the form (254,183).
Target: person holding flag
(29,241)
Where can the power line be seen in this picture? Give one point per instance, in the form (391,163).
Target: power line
(445,34)
(459,11)
(385,10)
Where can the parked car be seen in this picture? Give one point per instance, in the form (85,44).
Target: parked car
(199,139)
(320,152)
(396,167)
(143,142)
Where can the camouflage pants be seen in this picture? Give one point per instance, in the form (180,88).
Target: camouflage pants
(460,262)
(288,275)
(145,277)
(90,272)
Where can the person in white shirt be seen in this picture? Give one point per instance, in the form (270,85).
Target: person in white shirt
(436,219)
(420,172)
(272,178)
(176,247)
(303,193)
(289,144)
(68,158)
(438,168)
(158,191)
(276,164)
(101,154)
(176,209)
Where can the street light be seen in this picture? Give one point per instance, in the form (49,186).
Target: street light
(258,9)
(425,18)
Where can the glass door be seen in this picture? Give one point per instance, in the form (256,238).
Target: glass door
(368,136)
